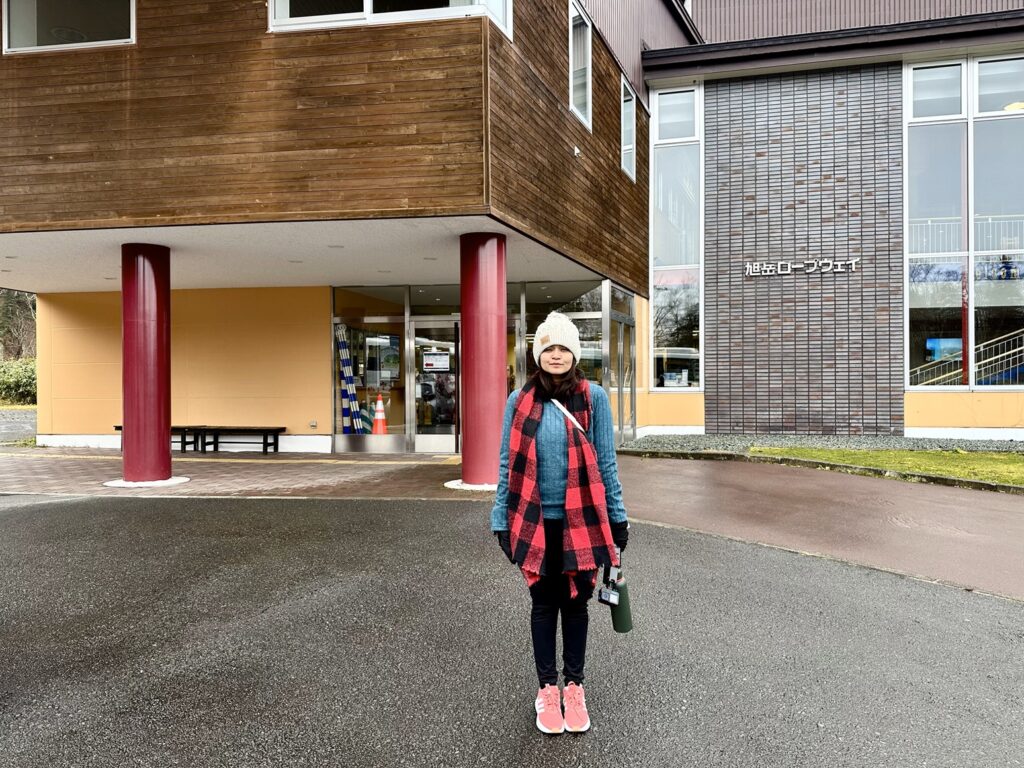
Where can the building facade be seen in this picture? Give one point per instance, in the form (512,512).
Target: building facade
(837,233)
(317,172)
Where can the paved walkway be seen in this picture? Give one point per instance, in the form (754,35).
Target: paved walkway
(961,537)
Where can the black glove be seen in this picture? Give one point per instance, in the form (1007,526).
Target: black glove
(620,534)
(505,543)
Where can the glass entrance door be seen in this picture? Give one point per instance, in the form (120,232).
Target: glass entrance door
(434,408)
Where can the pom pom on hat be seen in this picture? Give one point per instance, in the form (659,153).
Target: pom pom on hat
(557,329)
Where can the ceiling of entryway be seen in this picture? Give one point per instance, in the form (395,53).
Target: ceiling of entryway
(420,251)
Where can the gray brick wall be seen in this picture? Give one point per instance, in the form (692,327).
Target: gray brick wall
(800,167)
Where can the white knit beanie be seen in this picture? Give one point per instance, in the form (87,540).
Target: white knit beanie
(557,329)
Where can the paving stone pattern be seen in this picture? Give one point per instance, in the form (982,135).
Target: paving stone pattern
(801,167)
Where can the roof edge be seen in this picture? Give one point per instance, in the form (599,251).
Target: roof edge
(820,44)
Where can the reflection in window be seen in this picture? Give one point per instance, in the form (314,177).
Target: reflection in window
(999,319)
(676,202)
(677,117)
(579,63)
(937,187)
(998,174)
(628,130)
(938,332)
(1001,86)
(44,23)
(675,308)
(936,91)
(323,11)
(369,362)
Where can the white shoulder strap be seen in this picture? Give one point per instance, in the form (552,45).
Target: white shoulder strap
(569,416)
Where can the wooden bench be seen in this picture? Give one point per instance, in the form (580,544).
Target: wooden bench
(268,437)
(188,435)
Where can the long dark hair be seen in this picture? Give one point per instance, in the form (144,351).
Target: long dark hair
(547,388)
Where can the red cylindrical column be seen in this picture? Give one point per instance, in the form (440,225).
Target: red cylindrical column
(146,361)
(484,345)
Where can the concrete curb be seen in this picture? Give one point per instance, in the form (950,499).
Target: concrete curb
(850,469)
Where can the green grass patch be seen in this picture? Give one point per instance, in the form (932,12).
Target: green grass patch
(1005,468)
(8,406)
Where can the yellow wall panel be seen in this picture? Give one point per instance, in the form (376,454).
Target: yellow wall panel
(964,409)
(238,356)
(670,410)
(85,417)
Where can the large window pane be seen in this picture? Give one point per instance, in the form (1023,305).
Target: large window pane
(676,321)
(579,61)
(628,131)
(1001,86)
(35,23)
(999,319)
(302,9)
(369,361)
(937,176)
(998,175)
(677,115)
(676,201)
(401,6)
(938,320)
(937,91)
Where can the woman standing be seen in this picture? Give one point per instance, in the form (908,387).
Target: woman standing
(558,512)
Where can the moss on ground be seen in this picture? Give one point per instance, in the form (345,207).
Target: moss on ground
(1004,468)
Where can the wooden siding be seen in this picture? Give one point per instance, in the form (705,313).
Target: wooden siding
(628,25)
(720,21)
(586,206)
(210,118)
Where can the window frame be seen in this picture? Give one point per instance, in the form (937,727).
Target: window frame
(367,17)
(969,116)
(976,85)
(908,92)
(8,49)
(587,119)
(624,87)
(656,142)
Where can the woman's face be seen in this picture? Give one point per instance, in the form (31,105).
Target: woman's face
(556,360)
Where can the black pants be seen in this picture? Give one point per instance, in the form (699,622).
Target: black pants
(551,596)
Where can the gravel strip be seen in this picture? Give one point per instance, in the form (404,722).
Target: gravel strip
(743,443)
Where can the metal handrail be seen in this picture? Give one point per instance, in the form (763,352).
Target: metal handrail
(988,361)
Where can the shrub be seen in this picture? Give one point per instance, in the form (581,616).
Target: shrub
(18,381)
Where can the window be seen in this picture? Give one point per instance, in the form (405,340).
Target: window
(312,14)
(965,224)
(579,63)
(628,129)
(676,204)
(47,24)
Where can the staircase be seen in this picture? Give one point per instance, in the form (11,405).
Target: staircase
(998,361)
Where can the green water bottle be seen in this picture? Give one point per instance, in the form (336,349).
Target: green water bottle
(622,617)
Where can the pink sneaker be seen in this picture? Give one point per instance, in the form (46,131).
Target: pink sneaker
(577,719)
(549,710)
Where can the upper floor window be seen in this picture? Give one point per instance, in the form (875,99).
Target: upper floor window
(307,14)
(628,129)
(580,75)
(46,24)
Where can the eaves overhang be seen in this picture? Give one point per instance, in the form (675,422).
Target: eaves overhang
(835,48)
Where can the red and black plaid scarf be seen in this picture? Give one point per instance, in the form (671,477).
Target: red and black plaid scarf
(587,538)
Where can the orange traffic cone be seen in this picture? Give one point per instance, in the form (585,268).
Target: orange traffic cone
(380,422)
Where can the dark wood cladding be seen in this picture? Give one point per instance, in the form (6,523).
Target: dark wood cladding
(724,20)
(210,118)
(585,206)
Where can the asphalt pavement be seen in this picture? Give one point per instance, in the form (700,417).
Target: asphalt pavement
(325,632)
